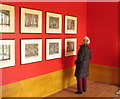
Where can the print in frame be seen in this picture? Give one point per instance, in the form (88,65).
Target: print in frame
(31,21)
(70,25)
(53,48)
(70,46)
(31,50)
(7,19)
(7,53)
(53,23)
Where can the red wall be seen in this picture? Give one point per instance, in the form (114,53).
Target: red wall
(119,34)
(21,72)
(102,28)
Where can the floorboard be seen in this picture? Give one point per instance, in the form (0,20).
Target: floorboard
(95,89)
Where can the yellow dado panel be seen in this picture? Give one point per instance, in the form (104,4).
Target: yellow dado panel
(42,85)
(103,73)
(45,85)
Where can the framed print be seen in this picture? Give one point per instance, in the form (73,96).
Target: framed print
(7,19)
(53,48)
(31,21)
(70,46)
(70,25)
(7,53)
(31,50)
(53,23)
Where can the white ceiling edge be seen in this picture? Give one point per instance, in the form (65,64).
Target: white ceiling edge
(60,0)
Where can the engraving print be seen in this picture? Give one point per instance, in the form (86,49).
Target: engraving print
(70,46)
(53,23)
(31,50)
(5,17)
(4,52)
(70,24)
(31,20)
(53,48)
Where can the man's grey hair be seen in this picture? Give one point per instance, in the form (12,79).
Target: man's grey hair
(86,40)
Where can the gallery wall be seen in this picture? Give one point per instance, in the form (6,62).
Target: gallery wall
(20,72)
(102,28)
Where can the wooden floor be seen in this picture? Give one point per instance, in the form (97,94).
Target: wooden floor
(95,89)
